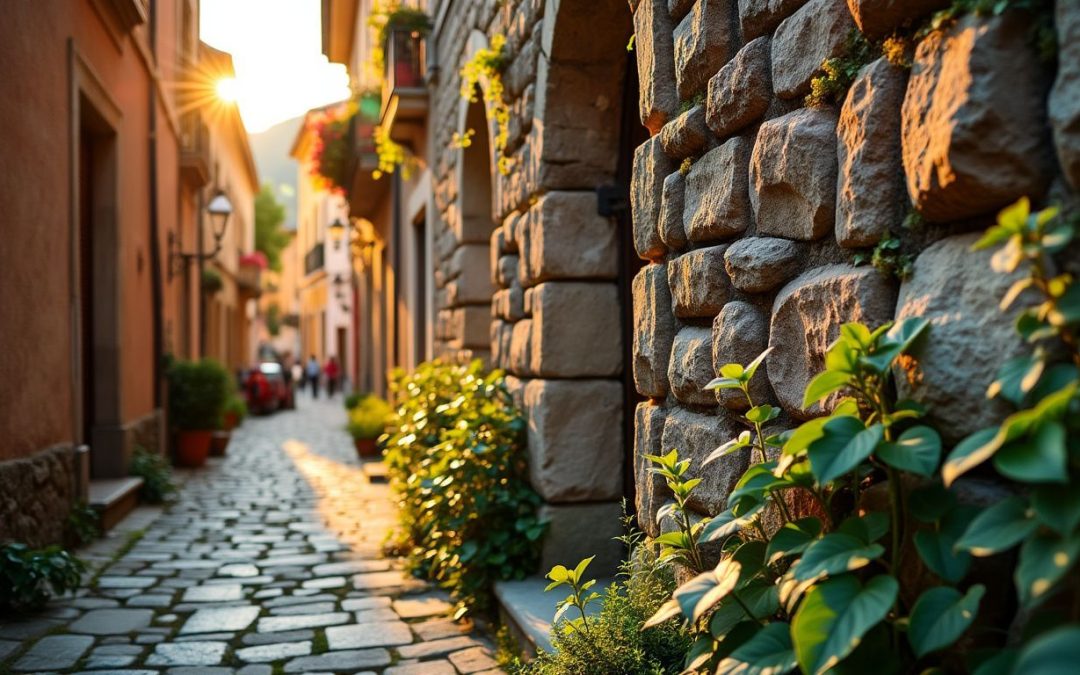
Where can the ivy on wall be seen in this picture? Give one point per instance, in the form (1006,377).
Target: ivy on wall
(488,64)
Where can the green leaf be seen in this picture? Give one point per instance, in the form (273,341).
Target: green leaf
(1017,377)
(668,610)
(698,595)
(930,502)
(723,383)
(834,554)
(940,617)
(1044,560)
(1018,287)
(1057,507)
(1001,663)
(917,451)
(753,366)
(1040,459)
(1066,308)
(769,652)
(1054,653)
(761,413)
(581,566)
(938,550)
(908,331)
(846,442)
(558,574)
(867,528)
(732,370)
(793,538)
(759,596)
(824,384)
(834,617)
(970,453)
(855,334)
(729,447)
(998,528)
(726,524)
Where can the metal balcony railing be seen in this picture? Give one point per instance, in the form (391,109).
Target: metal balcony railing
(195,159)
(405,64)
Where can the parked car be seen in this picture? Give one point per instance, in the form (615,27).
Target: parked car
(267,389)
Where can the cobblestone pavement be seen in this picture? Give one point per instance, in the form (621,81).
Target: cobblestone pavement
(268,562)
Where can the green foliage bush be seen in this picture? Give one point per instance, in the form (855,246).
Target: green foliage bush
(83,524)
(156,474)
(198,391)
(236,406)
(28,577)
(456,457)
(369,417)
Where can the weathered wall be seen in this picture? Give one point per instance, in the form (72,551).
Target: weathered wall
(753,246)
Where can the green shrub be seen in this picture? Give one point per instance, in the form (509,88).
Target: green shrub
(198,391)
(83,524)
(352,400)
(236,405)
(456,457)
(368,418)
(612,641)
(28,577)
(156,474)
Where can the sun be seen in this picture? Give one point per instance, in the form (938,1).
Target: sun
(227,89)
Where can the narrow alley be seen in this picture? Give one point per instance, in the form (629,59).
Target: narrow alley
(268,561)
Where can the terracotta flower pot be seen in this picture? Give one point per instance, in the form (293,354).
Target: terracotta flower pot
(193,447)
(219,442)
(230,421)
(366,447)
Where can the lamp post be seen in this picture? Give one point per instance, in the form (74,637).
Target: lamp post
(337,232)
(219,209)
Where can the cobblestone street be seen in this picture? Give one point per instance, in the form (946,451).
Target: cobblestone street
(268,561)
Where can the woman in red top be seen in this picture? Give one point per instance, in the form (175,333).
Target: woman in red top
(332,371)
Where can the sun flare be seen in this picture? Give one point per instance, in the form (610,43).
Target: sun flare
(228,90)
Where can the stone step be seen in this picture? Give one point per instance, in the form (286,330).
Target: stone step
(114,498)
(527,610)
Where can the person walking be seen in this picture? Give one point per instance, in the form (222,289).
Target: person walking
(333,371)
(298,375)
(313,372)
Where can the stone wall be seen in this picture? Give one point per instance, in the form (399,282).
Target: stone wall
(36,494)
(751,207)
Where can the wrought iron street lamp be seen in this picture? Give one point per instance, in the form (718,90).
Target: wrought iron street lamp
(219,209)
(337,232)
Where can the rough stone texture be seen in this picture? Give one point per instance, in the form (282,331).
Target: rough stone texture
(870,193)
(695,436)
(652,489)
(521,348)
(956,289)
(655,52)
(699,283)
(566,540)
(1064,102)
(672,232)
(691,366)
(54,652)
(793,174)
(974,119)
(654,330)
(569,321)
(575,444)
(651,167)
(112,621)
(717,200)
(814,33)
(220,619)
(339,661)
(567,239)
(740,332)
(740,93)
(761,17)
(878,18)
(760,264)
(197,653)
(680,8)
(686,134)
(807,316)
(703,43)
(364,635)
(35,496)
(471,273)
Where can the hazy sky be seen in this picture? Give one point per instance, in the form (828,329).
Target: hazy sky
(276,48)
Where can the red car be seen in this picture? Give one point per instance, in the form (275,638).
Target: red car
(267,389)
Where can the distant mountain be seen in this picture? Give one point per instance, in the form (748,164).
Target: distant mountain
(271,150)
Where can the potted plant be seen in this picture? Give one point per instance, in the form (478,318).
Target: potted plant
(211,281)
(235,412)
(197,394)
(367,421)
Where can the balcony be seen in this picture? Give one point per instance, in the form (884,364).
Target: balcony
(195,159)
(365,192)
(404,96)
(315,259)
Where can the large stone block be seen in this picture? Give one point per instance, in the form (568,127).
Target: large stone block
(655,52)
(567,239)
(704,41)
(654,330)
(506,271)
(695,436)
(576,331)
(717,201)
(761,17)
(501,334)
(690,368)
(760,264)
(955,288)
(870,194)
(878,18)
(577,531)
(509,303)
(651,488)
(470,268)
(740,332)
(36,494)
(740,93)
(672,232)
(521,348)
(699,283)
(974,119)
(575,439)
(686,134)
(807,315)
(1064,103)
(793,174)
(805,40)
(651,167)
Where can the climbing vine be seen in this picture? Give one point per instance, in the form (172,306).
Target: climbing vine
(392,155)
(388,15)
(488,64)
